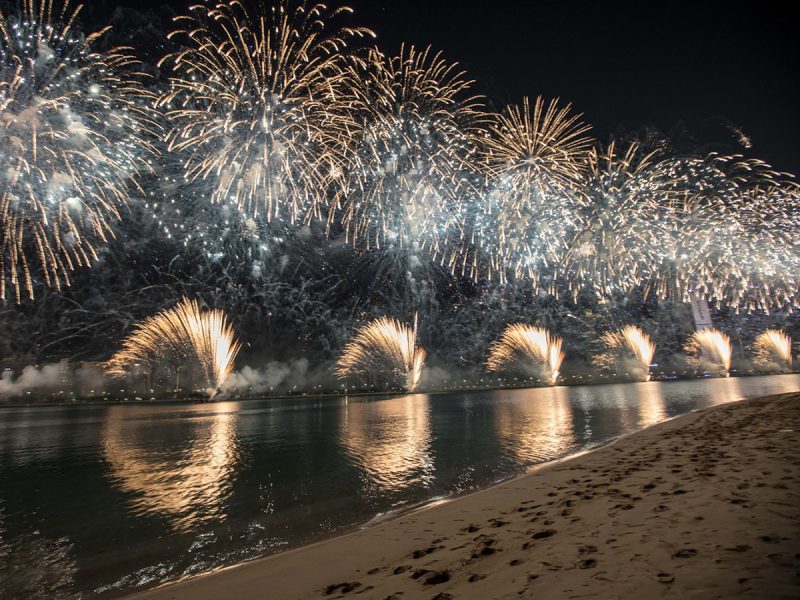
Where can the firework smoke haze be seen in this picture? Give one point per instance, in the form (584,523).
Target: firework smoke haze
(178,335)
(384,346)
(531,350)
(75,133)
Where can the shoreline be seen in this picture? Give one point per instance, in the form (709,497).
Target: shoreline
(161,400)
(422,558)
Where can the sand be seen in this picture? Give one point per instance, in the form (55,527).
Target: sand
(704,506)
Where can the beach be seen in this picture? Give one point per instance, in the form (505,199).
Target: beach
(706,505)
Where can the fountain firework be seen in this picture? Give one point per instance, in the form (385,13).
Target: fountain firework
(630,340)
(75,128)
(179,335)
(384,346)
(532,350)
(773,347)
(710,347)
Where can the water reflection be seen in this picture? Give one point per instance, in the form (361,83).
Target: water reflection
(188,475)
(390,440)
(115,499)
(652,407)
(727,390)
(534,428)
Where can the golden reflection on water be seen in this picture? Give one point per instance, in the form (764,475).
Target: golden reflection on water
(535,425)
(186,482)
(726,389)
(389,440)
(651,404)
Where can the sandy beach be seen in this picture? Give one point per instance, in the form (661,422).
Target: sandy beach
(703,506)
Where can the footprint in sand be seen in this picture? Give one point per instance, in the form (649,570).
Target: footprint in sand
(344,588)
(424,551)
(665,577)
(545,533)
(419,573)
(437,578)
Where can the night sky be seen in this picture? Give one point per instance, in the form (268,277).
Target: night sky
(708,65)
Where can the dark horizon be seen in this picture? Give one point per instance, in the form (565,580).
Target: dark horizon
(706,69)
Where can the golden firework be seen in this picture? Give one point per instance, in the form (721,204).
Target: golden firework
(181,334)
(710,347)
(384,346)
(773,346)
(632,340)
(534,158)
(411,125)
(75,124)
(532,350)
(248,99)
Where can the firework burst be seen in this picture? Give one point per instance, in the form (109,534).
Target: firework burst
(75,124)
(531,350)
(773,347)
(626,227)
(710,348)
(384,346)
(739,236)
(411,126)
(248,99)
(535,158)
(180,335)
(630,341)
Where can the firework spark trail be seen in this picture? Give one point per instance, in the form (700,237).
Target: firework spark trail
(633,340)
(773,346)
(410,146)
(528,349)
(534,158)
(177,335)
(75,129)
(248,102)
(710,346)
(384,346)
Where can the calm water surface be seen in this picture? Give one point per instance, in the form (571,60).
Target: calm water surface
(105,500)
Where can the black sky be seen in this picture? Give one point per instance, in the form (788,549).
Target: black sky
(622,64)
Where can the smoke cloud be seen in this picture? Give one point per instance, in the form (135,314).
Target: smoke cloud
(274,377)
(33,378)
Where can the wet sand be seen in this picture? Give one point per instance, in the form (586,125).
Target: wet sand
(704,506)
